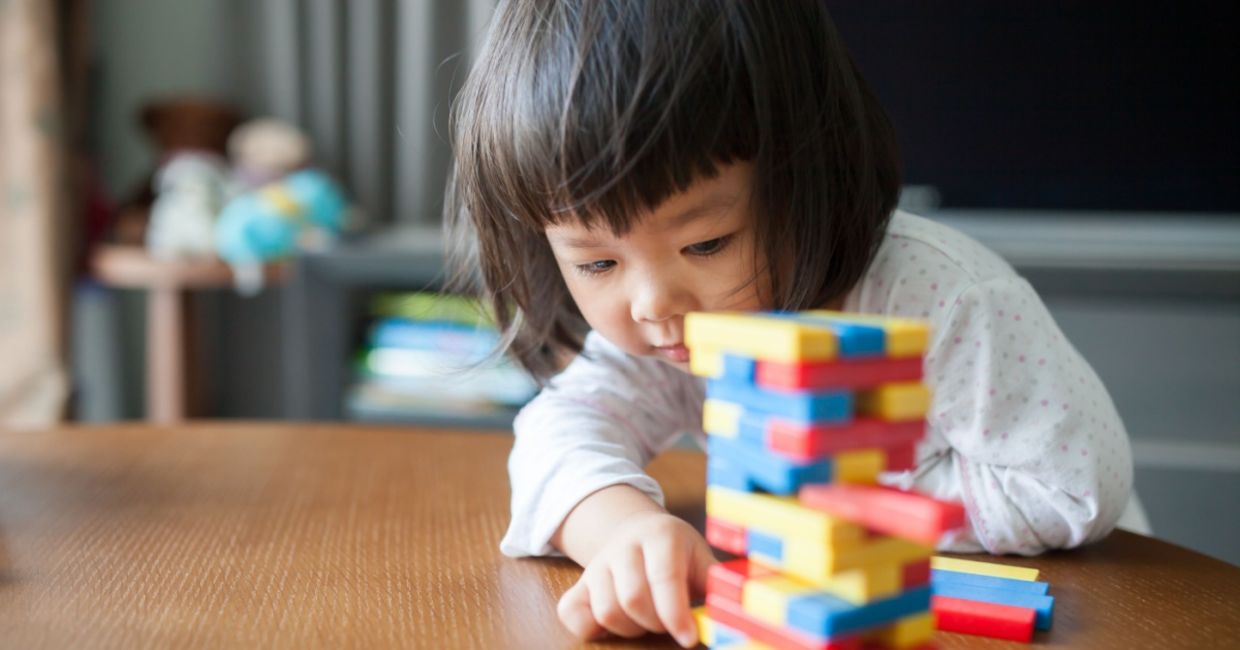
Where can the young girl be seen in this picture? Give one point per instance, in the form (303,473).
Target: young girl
(622,163)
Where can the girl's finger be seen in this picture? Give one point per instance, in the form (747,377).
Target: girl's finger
(605,608)
(633,592)
(574,612)
(667,572)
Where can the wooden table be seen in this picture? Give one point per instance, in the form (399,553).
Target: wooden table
(264,535)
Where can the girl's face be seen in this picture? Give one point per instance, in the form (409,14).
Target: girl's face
(694,252)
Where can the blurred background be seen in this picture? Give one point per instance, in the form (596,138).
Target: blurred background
(231,209)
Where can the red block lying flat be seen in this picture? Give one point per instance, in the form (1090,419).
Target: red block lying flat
(846,374)
(812,441)
(726,536)
(729,613)
(916,574)
(983,619)
(727,579)
(902,514)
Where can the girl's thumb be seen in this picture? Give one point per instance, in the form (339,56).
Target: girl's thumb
(699,567)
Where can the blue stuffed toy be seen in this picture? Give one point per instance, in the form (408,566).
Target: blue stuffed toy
(273,221)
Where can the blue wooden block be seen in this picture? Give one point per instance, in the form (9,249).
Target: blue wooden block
(720,471)
(798,405)
(826,616)
(752,427)
(940,576)
(725,635)
(855,339)
(738,369)
(767,469)
(1043,605)
(767,545)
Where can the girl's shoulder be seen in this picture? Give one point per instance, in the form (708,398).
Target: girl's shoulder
(922,266)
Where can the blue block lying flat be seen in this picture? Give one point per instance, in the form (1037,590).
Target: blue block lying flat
(725,635)
(940,576)
(826,616)
(767,469)
(799,406)
(768,545)
(855,340)
(1043,605)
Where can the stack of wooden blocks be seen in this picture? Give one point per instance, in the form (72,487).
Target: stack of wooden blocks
(804,410)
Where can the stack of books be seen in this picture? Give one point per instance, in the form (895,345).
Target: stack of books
(429,358)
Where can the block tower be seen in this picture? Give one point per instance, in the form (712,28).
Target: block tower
(803,410)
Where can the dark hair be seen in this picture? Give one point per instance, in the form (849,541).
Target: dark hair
(599,110)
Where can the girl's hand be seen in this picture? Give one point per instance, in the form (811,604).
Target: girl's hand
(640,581)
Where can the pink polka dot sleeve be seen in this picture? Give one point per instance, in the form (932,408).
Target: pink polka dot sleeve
(1021,428)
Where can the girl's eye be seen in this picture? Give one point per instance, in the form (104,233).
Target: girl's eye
(708,247)
(594,268)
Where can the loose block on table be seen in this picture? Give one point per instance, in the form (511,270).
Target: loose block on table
(759,336)
(887,510)
(982,618)
(983,568)
(1043,605)
(942,576)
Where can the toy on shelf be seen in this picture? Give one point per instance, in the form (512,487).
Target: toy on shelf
(270,223)
(804,410)
(190,190)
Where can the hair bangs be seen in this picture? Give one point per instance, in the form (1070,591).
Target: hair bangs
(638,120)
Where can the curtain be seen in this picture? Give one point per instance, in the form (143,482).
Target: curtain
(33,229)
(372,82)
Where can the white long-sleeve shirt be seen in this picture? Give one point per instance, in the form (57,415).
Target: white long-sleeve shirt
(1021,430)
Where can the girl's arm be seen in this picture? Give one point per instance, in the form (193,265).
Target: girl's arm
(1021,428)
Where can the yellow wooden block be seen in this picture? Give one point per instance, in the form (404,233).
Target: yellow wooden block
(819,564)
(721,418)
(983,568)
(897,401)
(782,517)
(859,466)
(761,337)
(705,627)
(766,599)
(907,632)
(705,362)
(903,337)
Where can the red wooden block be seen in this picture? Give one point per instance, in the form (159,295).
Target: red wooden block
(841,373)
(730,614)
(916,574)
(726,536)
(727,579)
(804,441)
(901,457)
(984,619)
(907,515)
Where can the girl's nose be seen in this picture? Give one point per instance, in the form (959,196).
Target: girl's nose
(658,299)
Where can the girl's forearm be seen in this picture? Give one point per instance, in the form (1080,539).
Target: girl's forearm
(591,523)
